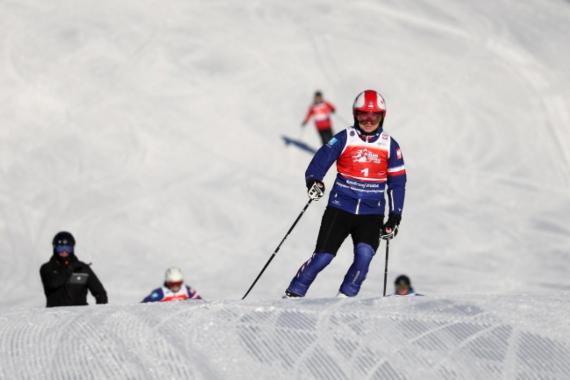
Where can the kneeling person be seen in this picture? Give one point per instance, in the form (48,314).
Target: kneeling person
(173,289)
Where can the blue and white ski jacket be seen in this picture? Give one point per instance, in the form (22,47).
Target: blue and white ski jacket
(164,294)
(367,166)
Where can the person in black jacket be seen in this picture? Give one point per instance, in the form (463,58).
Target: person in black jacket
(66,279)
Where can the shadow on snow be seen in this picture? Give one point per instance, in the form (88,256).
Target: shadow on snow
(299,144)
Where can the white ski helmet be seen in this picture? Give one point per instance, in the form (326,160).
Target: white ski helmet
(173,274)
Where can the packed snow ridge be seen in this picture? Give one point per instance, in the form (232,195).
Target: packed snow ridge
(491,337)
(154,132)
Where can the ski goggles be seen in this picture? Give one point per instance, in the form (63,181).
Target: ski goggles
(369,117)
(60,248)
(174,284)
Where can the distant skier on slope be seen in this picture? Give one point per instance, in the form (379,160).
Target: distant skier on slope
(403,287)
(66,279)
(321,111)
(173,289)
(368,162)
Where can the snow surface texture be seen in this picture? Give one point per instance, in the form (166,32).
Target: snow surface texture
(390,338)
(154,132)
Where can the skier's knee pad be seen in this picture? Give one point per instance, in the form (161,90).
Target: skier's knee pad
(308,272)
(363,254)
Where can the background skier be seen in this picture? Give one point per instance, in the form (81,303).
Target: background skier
(403,286)
(173,289)
(66,279)
(369,162)
(321,111)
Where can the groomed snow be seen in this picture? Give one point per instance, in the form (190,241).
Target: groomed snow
(491,337)
(154,132)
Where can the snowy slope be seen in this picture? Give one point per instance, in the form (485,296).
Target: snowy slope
(390,338)
(153,131)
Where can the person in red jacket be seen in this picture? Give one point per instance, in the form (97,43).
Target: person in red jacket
(321,111)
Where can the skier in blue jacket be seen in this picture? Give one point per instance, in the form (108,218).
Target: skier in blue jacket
(369,164)
(173,289)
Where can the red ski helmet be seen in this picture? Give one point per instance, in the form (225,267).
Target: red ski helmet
(369,101)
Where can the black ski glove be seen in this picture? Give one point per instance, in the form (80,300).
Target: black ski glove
(390,228)
(315,189)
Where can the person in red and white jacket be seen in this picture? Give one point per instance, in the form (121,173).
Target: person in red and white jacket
(321,111)
(174,289)
(370,168)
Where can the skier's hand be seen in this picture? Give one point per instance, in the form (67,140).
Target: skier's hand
(315,189)
(390,228)
(303,124)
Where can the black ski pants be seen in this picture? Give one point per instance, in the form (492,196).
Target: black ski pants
(337,224)
(326,135)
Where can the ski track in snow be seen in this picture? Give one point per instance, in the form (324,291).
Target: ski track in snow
(492,337)
(153,131)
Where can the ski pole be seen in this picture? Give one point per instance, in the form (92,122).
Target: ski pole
(386,267)
(277,249)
